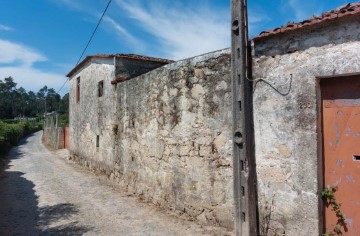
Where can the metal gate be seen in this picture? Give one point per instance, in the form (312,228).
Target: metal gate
(341,150)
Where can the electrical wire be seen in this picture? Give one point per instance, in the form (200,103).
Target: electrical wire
(89,41)
(289,81)
(87,45)
(62,86)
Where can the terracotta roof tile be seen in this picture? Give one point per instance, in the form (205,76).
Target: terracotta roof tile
(125,56)
(349,9)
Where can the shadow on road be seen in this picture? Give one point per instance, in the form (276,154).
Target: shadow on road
(4,148)
(52,214)
(19,211)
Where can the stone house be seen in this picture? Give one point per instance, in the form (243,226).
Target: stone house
(167,134)
(92,103)
(306,90)
(164,135)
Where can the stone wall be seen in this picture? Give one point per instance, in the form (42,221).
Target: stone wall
(164,135)
(92,118)
(53,136)
(287,120)
(173,137)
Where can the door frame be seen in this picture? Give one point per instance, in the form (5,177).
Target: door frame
(320,153)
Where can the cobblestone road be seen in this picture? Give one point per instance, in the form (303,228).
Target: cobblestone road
(41,193)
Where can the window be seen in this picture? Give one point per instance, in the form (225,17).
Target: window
(78,89)
(97,141)
(101,88)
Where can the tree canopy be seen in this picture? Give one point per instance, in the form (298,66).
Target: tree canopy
(15,102)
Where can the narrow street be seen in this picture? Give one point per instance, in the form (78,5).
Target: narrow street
(41,193)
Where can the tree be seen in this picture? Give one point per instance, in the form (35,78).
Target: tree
(31,105)
(20,97)
(7,102)
(52,100)
(18,102)
(9,81)
(64,104)
(41,98)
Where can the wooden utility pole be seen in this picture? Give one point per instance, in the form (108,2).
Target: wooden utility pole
(244,170)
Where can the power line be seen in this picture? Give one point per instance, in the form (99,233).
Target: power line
(107,6)
(88,43)
(63,85)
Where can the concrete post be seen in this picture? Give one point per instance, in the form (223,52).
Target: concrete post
(244,171)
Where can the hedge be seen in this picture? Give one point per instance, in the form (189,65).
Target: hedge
(10,134)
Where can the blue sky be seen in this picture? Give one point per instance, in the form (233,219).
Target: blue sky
(41,40)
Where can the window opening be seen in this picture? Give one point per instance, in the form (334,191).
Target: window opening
(97,140)
(101,88)
(78,89)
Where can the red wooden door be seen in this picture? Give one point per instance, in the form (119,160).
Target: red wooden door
(66,137)
(341,149)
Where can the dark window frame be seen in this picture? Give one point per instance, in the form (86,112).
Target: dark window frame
(101,88)
(97,141)
(77,89)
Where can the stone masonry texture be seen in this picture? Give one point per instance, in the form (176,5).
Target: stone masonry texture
(93,116)
(164,135)
(287,119)
(53,136)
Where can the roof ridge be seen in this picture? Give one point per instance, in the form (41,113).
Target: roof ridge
(340,12)
(119,55)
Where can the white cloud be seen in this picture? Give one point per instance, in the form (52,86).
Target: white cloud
(33,79)
(5,28)
(184,32)
(257,18)
(300,12)
(13,52)
(118,27)
(178,30)
(123,33)
(304,11)
(72,4)
(18,61)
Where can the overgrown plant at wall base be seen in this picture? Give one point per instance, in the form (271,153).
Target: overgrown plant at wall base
(329,198)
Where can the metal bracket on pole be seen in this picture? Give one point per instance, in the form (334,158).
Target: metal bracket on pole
(244,170)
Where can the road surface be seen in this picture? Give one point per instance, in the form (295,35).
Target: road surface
(41,193)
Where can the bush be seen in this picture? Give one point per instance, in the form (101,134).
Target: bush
(9,121)
(11,133)
(63,120)
(40,125)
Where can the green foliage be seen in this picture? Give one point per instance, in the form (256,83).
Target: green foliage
(17,102)
(329,198)
(10,134)
(40,125)
(63,120)
(10,121)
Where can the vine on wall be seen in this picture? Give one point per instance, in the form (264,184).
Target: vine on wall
(329,198)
